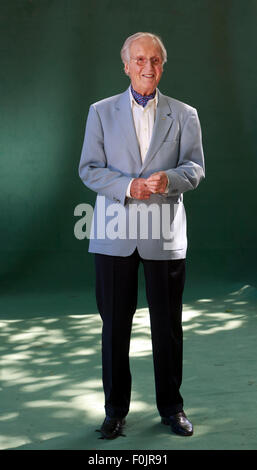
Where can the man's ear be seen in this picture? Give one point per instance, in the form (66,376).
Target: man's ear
(126,68)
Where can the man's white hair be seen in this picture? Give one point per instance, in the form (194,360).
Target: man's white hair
(125,56)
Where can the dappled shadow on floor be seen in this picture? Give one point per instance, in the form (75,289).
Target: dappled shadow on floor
(52,390)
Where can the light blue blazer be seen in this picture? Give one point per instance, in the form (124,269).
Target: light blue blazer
(111,157)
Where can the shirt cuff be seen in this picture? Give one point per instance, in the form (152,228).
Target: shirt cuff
(168,185)
(128,189)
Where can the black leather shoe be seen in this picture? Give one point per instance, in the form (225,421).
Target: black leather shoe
(179,424)
(111,428)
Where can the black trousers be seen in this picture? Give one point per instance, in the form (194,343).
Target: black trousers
(116,296)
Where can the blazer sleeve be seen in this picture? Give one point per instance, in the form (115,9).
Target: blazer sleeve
(93,168)
(190,169)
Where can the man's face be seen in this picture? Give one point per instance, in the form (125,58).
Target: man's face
(144,78)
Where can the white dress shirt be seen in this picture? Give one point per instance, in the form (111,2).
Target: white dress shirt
(144,118)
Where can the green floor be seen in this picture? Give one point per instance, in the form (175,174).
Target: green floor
(51,373)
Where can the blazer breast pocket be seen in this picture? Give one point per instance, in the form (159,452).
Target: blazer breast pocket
(170,141)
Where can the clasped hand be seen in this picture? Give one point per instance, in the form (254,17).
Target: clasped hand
(142,188)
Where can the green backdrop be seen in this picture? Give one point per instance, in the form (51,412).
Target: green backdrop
(59,56)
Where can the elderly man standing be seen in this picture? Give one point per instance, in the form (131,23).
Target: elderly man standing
(141,150)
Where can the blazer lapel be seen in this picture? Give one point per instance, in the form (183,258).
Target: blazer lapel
(125,120)
(163,122)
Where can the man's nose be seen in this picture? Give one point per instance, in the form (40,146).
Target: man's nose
(149,65)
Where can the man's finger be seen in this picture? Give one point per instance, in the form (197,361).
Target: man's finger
(154,178)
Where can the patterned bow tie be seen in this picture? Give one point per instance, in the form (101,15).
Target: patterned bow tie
(140,99)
